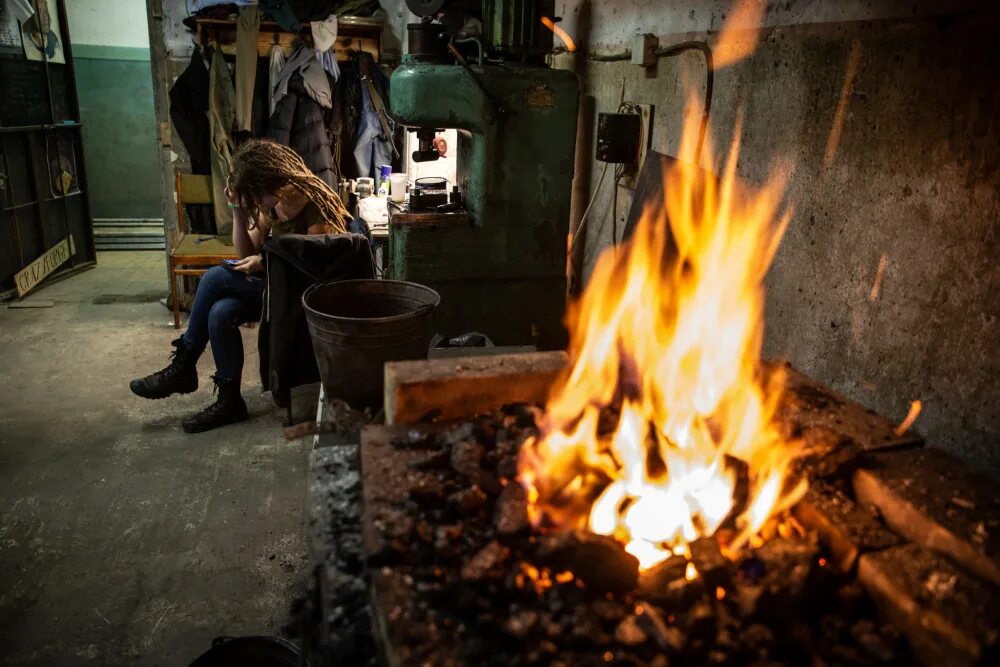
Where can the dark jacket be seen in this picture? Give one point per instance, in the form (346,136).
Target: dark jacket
(300,122)
(189,113)
(294,263)
(348,106)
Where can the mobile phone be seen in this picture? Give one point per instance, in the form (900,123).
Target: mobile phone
(230,262)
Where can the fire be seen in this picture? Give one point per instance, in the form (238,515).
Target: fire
(661,431)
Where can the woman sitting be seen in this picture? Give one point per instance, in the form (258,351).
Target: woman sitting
(271,191)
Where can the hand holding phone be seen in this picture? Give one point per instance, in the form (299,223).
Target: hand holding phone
(230,262)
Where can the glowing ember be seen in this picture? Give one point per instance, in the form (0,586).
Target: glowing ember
(911,417)
(560,33)
(664,408)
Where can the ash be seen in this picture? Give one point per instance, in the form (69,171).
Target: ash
(336,618)
(483,587)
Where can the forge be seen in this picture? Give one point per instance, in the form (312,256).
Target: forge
(887,559)
(659,495)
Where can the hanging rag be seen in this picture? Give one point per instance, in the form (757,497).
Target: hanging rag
(221,116)
(303,61)
(324,34)
(274,71)
(247,28)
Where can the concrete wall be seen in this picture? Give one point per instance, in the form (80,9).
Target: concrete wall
(915,179)
(109,22)
(111,59)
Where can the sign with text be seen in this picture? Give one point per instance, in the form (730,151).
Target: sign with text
(27,278)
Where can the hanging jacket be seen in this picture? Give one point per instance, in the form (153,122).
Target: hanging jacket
(357,120)
(295,262)
(300,123)
(189,113)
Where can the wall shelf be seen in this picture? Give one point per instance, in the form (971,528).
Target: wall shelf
(354,33)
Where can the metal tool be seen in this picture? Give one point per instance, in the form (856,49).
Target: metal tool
(517,120)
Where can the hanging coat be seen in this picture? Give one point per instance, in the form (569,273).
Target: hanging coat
(301,123)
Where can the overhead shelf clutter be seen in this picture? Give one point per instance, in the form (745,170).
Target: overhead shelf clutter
(354,34)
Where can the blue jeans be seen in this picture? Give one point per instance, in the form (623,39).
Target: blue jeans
(225,299)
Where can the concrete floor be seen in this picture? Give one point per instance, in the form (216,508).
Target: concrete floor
(124,540)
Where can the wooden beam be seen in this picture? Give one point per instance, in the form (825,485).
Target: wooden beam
(463,387)
(846,528)
(948,616)
(937,502)
(828,421)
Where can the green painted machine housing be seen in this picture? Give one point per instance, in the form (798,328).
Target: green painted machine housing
(505,274)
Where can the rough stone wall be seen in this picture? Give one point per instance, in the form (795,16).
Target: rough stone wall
(915,179)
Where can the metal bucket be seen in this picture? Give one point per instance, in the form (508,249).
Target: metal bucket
(358,325)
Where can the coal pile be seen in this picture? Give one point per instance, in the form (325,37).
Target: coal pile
(478,585)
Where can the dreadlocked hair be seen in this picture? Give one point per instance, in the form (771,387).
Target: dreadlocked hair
(262,167)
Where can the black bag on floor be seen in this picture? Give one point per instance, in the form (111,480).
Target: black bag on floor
(251,652)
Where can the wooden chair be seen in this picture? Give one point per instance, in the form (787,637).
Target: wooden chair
(195,254)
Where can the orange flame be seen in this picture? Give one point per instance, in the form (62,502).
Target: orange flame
(740,33)
(560,33)
(667,337)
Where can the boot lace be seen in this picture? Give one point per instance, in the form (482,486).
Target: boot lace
(219,404)
(171,369)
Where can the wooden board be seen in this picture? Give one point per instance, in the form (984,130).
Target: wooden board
(827,420)
(938,502)
(845,527)
(464,387)
(28,278)
(948,616)
(429,218)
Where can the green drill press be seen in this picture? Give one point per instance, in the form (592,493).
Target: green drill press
(500,269)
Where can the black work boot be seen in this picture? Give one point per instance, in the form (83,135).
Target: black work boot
(228,409)
(180,377)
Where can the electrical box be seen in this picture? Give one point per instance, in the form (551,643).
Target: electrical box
(618,137)
(644,50)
